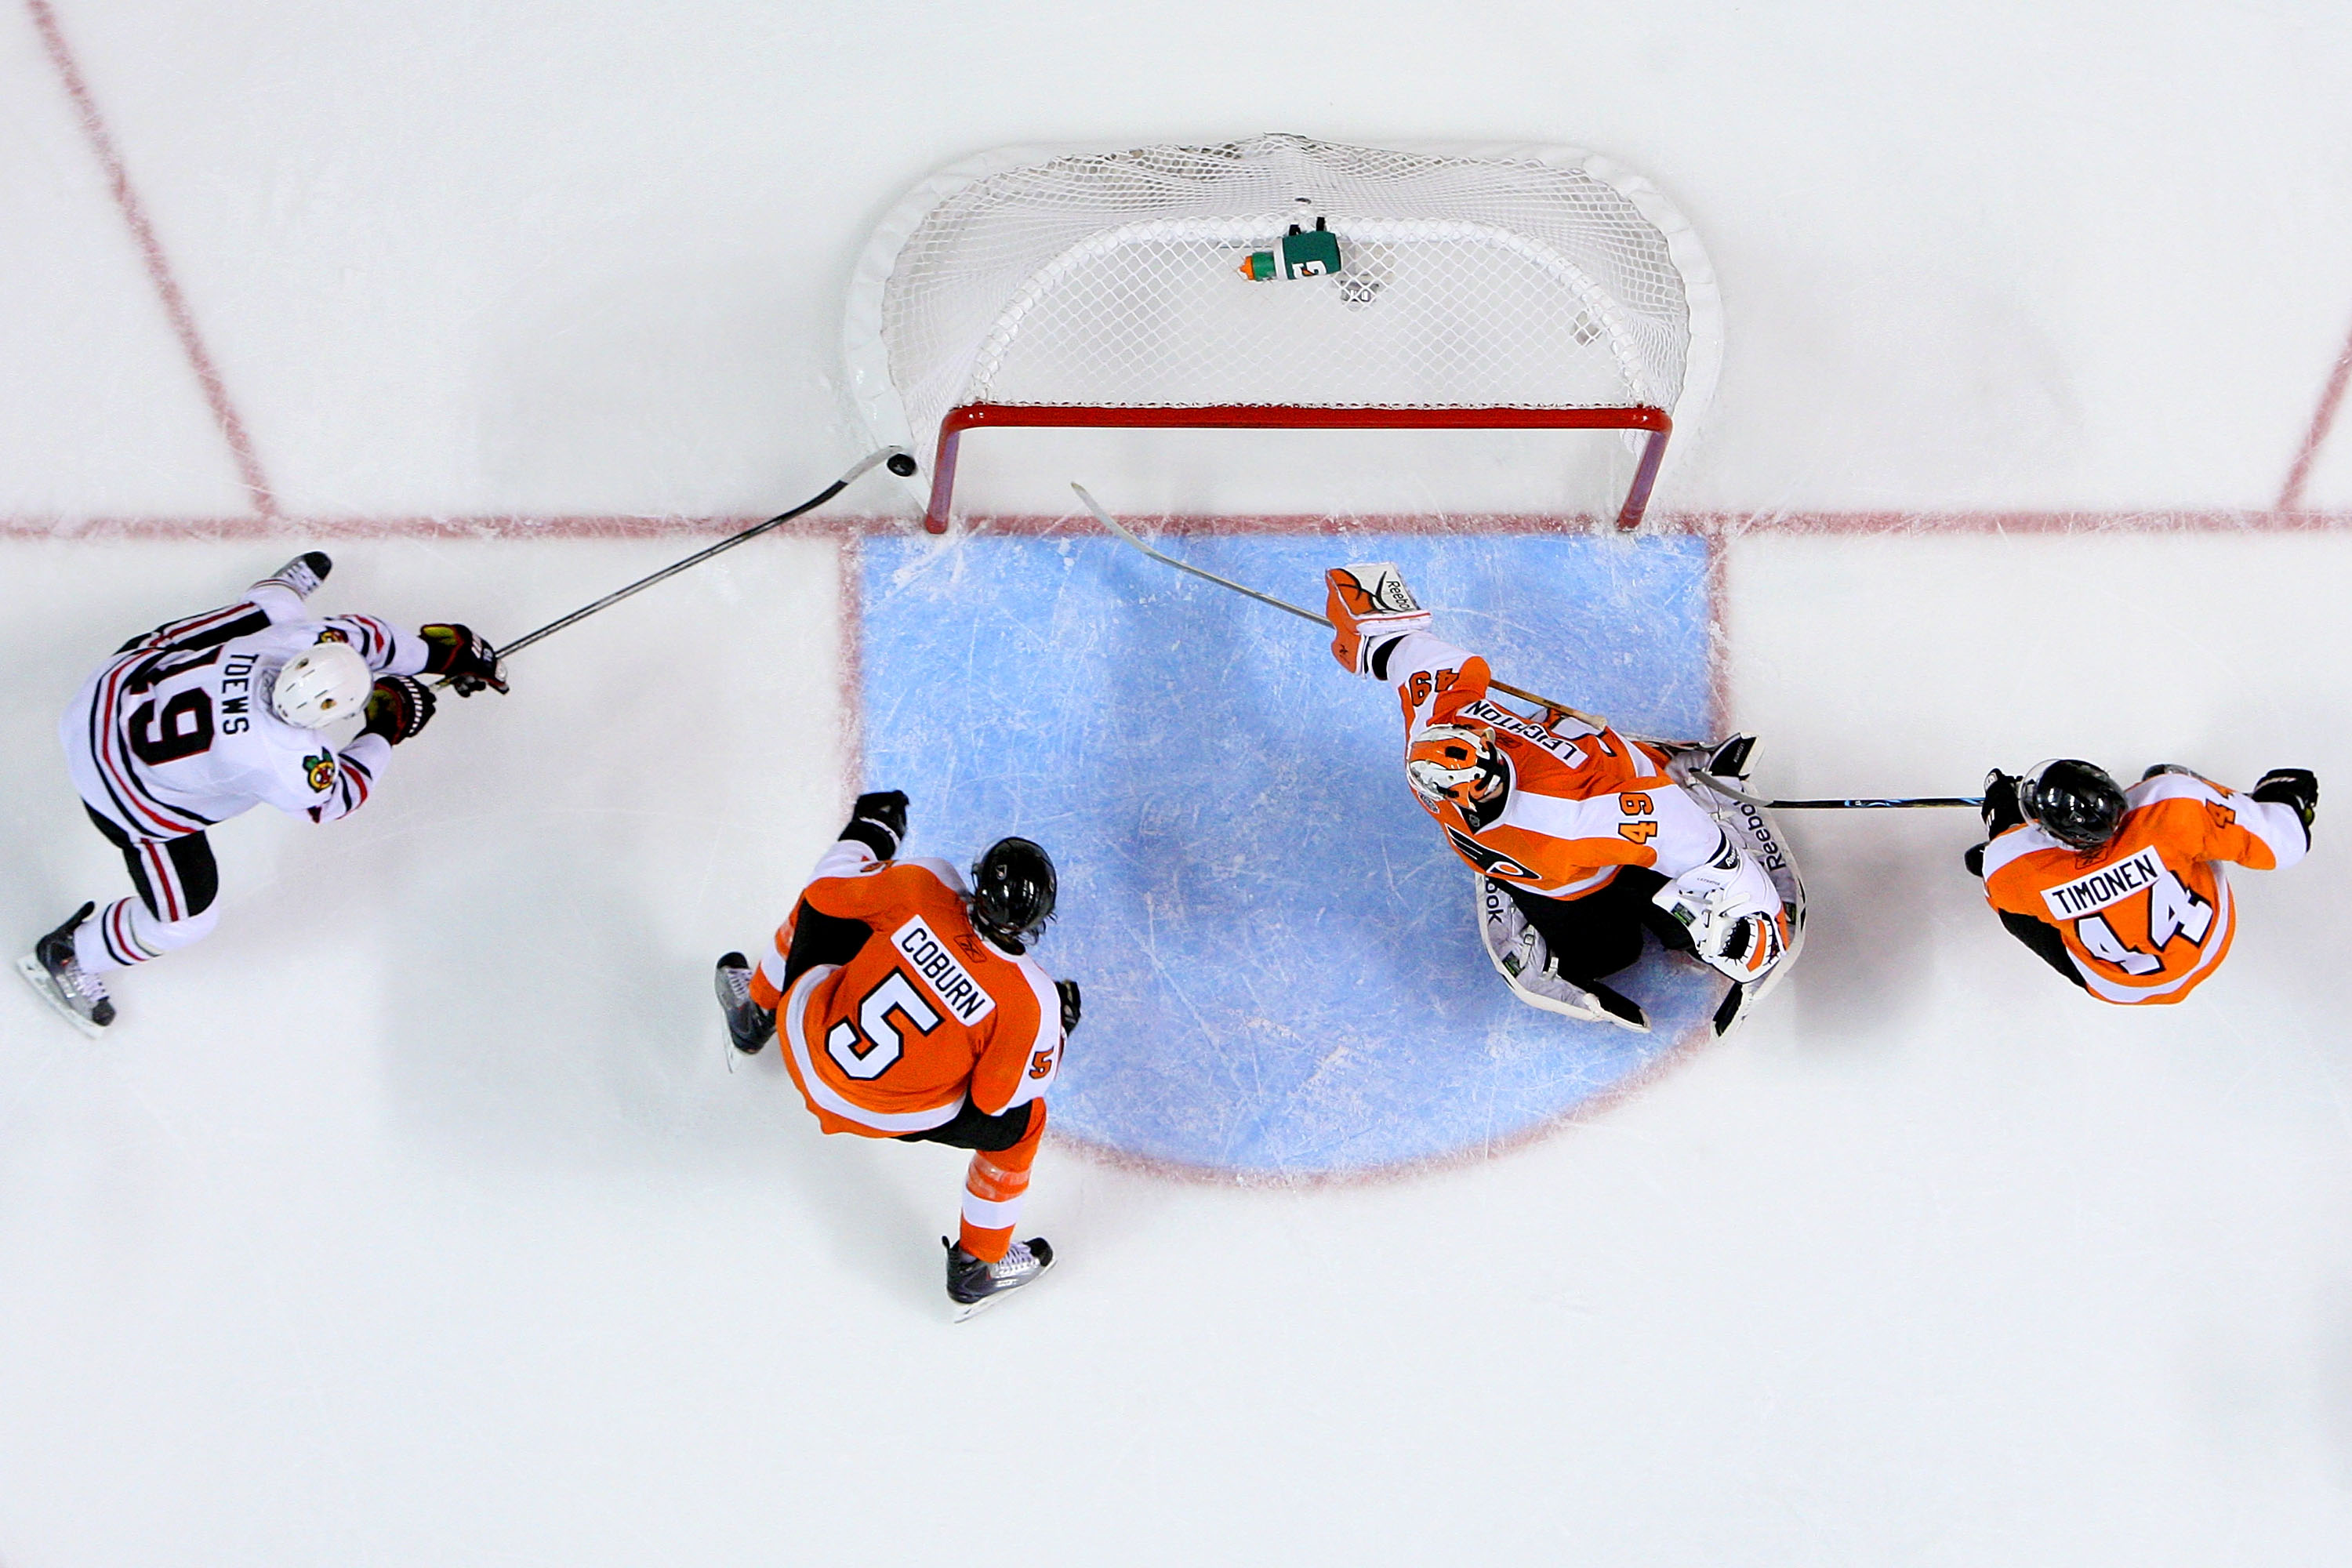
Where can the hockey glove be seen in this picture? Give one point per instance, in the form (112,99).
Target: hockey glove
(2297,789)
(878,821)
(1750,945)
(397,706)
(460,653)
(2001,809)
(1733,913)
(1068,991)
(1369,607)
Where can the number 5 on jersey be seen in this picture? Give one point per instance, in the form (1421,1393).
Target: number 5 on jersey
(868,1048)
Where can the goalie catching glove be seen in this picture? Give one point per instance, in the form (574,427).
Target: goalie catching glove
(1369,607)
(398,705)
(459,654)
(1733,912)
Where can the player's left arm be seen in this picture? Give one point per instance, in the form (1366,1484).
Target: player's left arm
(455,652)
(2271,823)
(833,920)
(2267,829)
(1026,1033)
(324,784)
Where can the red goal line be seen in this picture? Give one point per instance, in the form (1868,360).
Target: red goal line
(1757,524)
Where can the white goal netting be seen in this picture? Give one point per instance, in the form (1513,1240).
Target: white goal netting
(1486,277)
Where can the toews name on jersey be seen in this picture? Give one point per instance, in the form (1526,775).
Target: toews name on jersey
(175,733)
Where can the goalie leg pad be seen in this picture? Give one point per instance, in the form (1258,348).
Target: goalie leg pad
(1522,958)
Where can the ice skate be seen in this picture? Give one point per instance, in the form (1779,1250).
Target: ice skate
(748,1026)
(303,574)
(973,1287)
(1519,953)
(50,970)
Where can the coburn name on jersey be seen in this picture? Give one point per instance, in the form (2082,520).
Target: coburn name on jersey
(957,990)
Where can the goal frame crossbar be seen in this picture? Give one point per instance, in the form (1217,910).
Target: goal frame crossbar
(1656,422)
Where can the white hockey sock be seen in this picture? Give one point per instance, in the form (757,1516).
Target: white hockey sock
(124,933)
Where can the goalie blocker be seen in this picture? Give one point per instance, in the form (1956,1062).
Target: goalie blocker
(1582,839)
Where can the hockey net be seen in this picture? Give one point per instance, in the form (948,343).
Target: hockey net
(1490,287)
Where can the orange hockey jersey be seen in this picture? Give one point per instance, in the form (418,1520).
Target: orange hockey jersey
(1580,803)
(2148,917)
(926,1015)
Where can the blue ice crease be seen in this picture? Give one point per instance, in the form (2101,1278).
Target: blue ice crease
(1280,968)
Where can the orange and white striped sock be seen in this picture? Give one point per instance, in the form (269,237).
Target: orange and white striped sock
(993,1185)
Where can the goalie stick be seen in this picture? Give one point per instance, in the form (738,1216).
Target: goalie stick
(1726,785)
(1112,523)
(901,461)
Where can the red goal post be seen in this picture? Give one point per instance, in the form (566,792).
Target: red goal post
(1478,288)
(1280,417)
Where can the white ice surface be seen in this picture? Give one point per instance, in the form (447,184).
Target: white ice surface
(415,1219)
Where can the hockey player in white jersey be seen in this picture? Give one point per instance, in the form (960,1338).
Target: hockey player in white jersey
(203,718)
(1582,838)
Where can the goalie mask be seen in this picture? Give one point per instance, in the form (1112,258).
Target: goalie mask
(1461,766)
(2074,802)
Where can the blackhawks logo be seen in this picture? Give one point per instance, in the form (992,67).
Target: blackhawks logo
(334,634)
(321,771)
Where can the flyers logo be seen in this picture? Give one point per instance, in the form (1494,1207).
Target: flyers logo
(320,771)
(1492,862)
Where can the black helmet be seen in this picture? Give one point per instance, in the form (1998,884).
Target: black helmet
(1013,890)
(2074,802)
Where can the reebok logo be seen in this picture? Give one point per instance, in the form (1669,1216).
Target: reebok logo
(945,978)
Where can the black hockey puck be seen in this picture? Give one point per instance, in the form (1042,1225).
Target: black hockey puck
(902,464)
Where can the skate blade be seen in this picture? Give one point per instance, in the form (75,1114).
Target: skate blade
(964,1312)
(47,990)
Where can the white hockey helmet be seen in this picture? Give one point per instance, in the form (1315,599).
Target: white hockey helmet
(324,684)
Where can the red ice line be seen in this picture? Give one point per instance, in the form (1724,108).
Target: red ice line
(1710,525)
(2323,418)
(159,268)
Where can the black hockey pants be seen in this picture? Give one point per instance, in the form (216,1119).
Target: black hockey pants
(975,1129)
(1595,936)
(176,878)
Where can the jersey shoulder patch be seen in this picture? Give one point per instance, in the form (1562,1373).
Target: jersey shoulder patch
(943,870)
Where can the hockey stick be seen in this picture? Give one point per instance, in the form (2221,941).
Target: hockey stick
(1726,785)
(1891,804)
(1112,523)
(901,461)
(1898,802)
